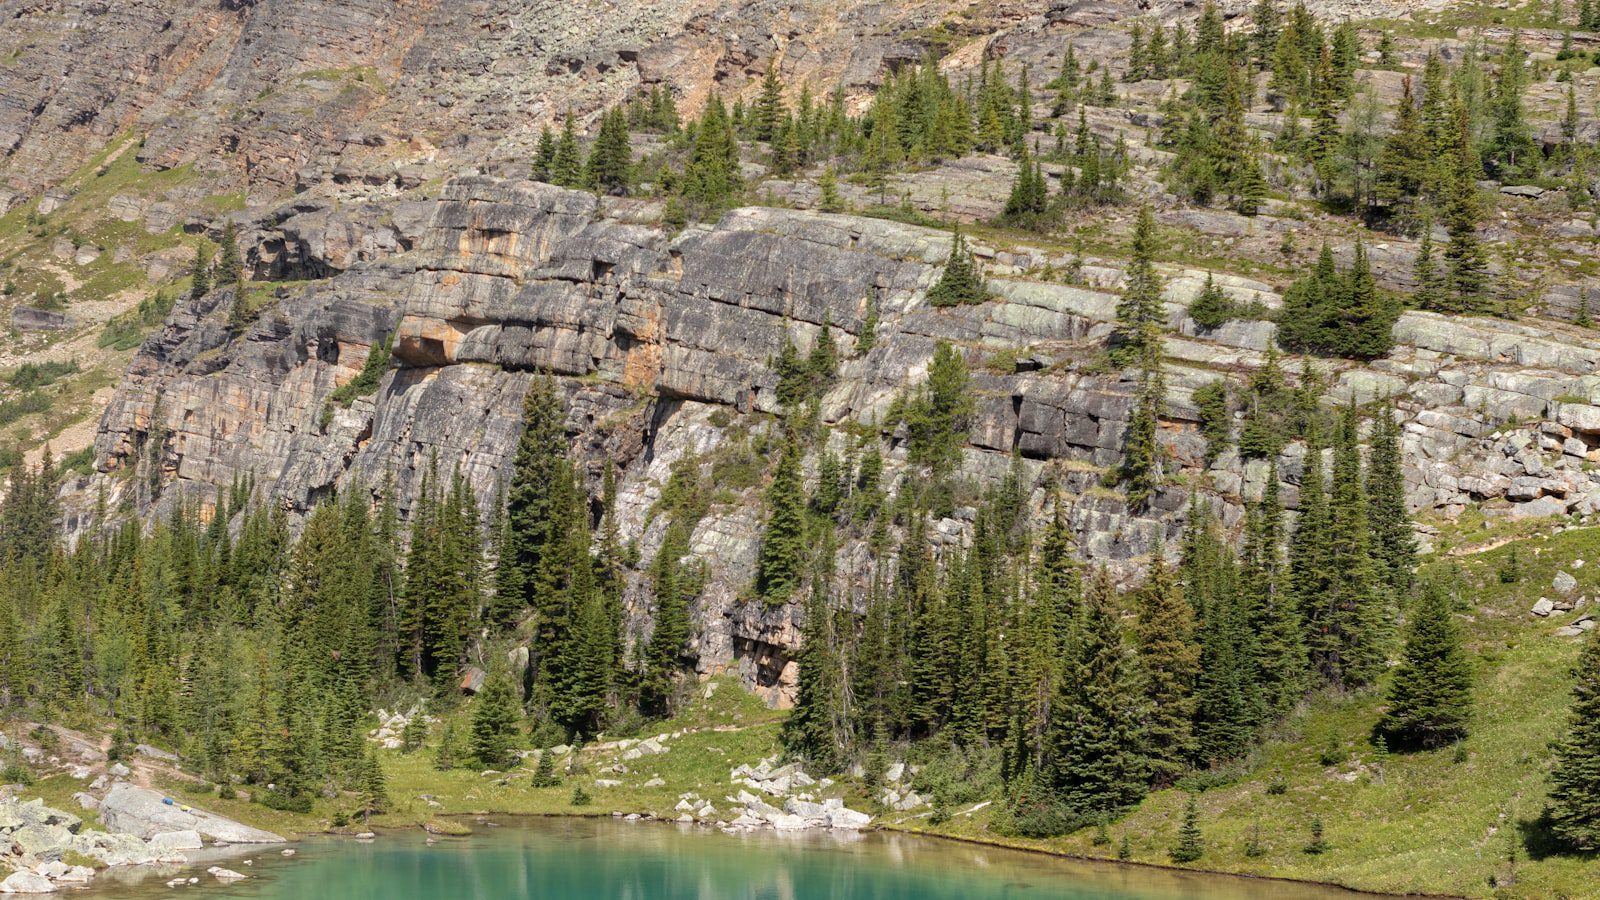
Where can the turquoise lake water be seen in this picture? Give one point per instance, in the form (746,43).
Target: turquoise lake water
(584,859)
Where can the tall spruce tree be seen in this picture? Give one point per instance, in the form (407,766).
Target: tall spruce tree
(1430,699)
(1140,312)
(1098,764)
(1355,604)
(663,655)
(566,164)
(230,269)
(200,270)
(1511,153)
(534,470)
(1574,811)
(781,559)
(1281,647)
(1394,546)
(609,169)
(1141,471)
(1228,708)
(1402,163)
(1466,267)
(1163,632)
(711,178)
(769,110)
(812,729)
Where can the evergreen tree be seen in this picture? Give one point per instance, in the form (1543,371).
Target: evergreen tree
(374,786)
(1394,547)
(1141,314)
(545,156)
(1228,708)
(769,110)
(566,164)
(610,166)
(1338,313)
(811,731)
(1138,57)
(1403,162)
(1191,845)
(1156,52)
(1511,153)
(1098,764)
(534,470)
(494,722)
(570,662)
(1268,20)
(1350,650)
(1464,257)
(1028,206)
(1170,660)
(1281,660)
(1574,811)
(452,751)
(200,271)
(938,417)
(962,280)
(1216,418)
(781,558)
(829,200)
(1141,471)
(1430,293)
(230,270)
(711,178)
(1430,699)
(544,774)
(1211,308)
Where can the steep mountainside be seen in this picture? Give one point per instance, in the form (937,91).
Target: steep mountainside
(666,347)
(666,341)
(405,280)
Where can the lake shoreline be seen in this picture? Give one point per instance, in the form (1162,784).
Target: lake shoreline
(999,843)
(1139,864)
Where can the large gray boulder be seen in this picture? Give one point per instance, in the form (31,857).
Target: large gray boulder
(177,840)
(138,811)
(42,841)
(115,849)
(26,883)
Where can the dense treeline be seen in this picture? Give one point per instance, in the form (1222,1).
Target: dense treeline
(258,653)
(1014,653)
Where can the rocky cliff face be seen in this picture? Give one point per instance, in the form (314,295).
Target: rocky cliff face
(267,96)
(664,347)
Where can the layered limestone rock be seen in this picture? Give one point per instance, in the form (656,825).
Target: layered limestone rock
(664,344)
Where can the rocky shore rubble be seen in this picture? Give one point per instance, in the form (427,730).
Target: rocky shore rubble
(801,807)
(48,850)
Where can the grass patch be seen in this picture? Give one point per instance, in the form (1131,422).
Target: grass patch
(37,375)
(697,761)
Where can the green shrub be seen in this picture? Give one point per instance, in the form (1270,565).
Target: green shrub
(27,404)
(37,375)
(366,381)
